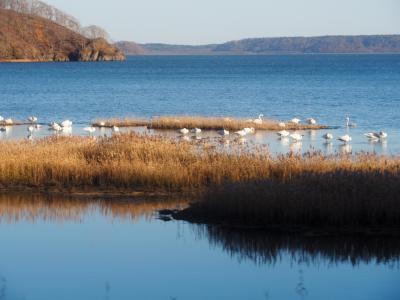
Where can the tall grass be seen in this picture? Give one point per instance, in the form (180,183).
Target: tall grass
(243,186)
(205,123)
(127,122)
(313,191)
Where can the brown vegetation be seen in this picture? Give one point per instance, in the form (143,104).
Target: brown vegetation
(205,123)
(240,186)
(30,38)
(312,191)
(127,122)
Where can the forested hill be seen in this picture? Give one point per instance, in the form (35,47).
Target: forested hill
(323,44)
(286,45)
(26,37)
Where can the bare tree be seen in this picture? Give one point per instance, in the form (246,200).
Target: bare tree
(41,9)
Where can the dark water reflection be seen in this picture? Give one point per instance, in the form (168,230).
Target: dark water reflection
(69,248)
(264,248)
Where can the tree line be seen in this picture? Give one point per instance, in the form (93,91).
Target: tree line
(49,12)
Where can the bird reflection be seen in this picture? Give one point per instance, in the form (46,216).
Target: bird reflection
(296,146)
(284,141)
(345,149)
(328,147)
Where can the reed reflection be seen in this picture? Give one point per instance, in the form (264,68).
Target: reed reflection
(270,248)
(37,207)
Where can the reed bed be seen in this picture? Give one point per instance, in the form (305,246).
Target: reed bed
(297,192)
(242,185)
(204,123)
(127,122)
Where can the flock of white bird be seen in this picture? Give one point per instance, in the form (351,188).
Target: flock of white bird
(296,137)
(66,127)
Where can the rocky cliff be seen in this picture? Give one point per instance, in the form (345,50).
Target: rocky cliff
(25,37)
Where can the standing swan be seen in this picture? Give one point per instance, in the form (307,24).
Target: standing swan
(90,129)
(345,138)
(296,137)
(283,133)
(223,132)
(32,119)
(184,131)
(311,121)
(350,125)
(327,136)
(259,121)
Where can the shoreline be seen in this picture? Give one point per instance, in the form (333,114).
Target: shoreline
(237,187)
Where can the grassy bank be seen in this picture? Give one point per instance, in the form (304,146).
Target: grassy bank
(240,187)
(309,192)
(204,123)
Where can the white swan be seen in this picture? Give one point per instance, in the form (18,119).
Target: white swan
(32,119)
(376,135)
(55,126)
(241,132)
(249,130)
(9,121)
(281,125)
(115,129)
(184,131)
(196,130)
(102,124)
(30,129)
(345,138)
(223,132)
(295,121)
(258,121)
(283,133)
(372,135)
(1,119)
(348,124)
(327,136)
(66,124)
(311,121)
(296,137)
(383,135)
(89,129)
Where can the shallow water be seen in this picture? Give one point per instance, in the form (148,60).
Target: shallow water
(326,87)
(58,248)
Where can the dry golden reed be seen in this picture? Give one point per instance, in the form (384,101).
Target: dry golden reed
(204,123)
(244,185)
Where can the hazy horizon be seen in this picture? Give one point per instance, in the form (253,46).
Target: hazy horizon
(205,22)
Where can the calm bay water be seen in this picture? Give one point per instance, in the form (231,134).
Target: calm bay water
(326,87)
(70,249)
(55,248)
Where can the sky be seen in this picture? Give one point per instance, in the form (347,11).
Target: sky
(214,21)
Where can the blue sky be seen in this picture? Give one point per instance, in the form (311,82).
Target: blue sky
(214,21)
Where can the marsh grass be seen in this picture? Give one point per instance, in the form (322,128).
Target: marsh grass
(242,185)
(312,191)
(127,122)
(204,123)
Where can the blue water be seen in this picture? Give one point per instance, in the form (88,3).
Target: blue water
(82,250)
(327,87)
